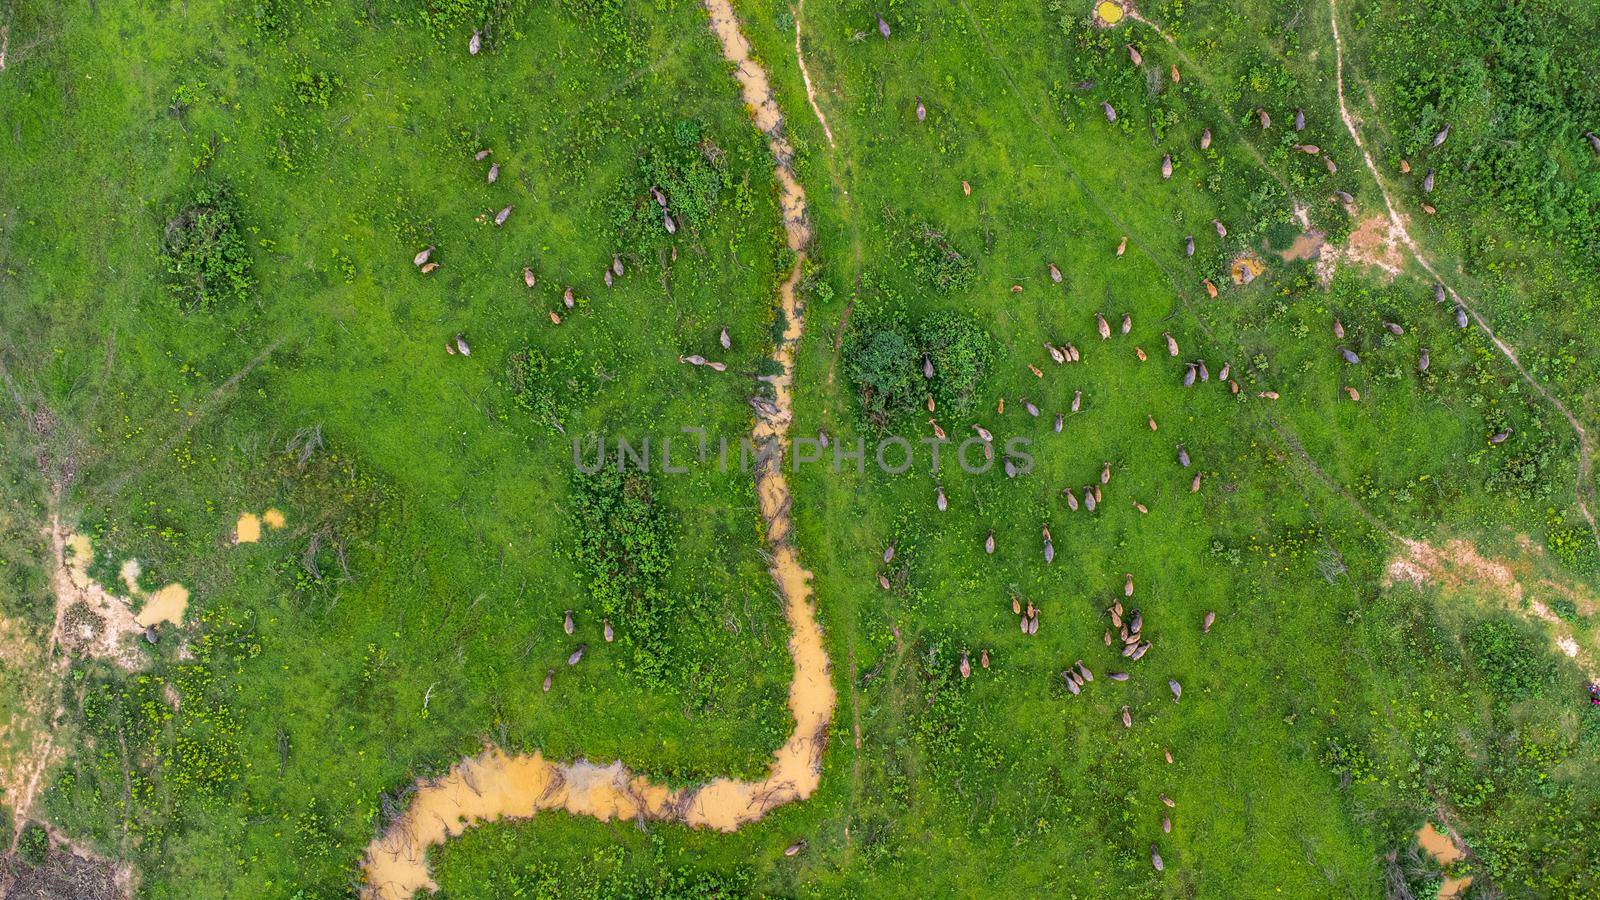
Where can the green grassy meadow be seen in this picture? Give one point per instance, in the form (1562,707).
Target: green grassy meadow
(409,610)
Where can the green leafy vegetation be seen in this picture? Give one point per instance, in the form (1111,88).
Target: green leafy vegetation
(205,252)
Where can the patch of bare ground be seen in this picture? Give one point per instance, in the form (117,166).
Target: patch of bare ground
(70,871)
(1523,584)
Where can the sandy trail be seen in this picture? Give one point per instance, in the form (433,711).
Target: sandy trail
(495,785)
(805,75)
(1398,229)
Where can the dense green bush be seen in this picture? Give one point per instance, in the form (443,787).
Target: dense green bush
(316,88)
(961,351)
(624,547)
(884,361)
(937,262)
(532,383)
(206,258)
(1512,661)
(883,367)
(34,844)
(688,168)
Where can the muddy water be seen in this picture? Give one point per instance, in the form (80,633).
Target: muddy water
(494,785)
(1444,851)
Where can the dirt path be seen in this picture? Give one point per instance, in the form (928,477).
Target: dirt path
(1398,228)
(495,785)
(805,76)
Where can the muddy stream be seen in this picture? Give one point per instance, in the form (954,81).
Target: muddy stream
(496,785)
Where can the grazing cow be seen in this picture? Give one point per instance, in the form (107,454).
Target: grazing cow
(988,543)
(566,623)
(1059,421)
(616,265)
(422,257)
(1166,824)
(1127,584)
(1117,676)
(1350,356)
(1427,182)
(983,658)
(1166,166)
(1222,230)
(1594,142)
(1071,498)
(1140,507)
(1194,484)
(1394,328)
(1028,405)
(1188,245)
(1205,139)
(1461,316)
(1139,352)
(1344,196)
(1188,375)
(883,28)
(922,111)
(1133,54)
(482,155)
(1105,475)
(1177,689)
(888,553)
(494,173)
(567,299)
(527,277)
(462,347)
(1299,119)
(883,581)
(1499,437)
(1205,627)
(549,677)
(983,433)
(1183,456)
(1422,360)
(1140,651)
(1155,859)
(1055,274)
(1102,326)
(577,655)
(1205,375)
(1440,137)
(475,43)
(1127,322)
(794,849)
(1089,499)
(940,500)
(927,366)
(1172,343)
(1070,682)
(1077,400)
(1152,420)
(1338,329)
(1110,111)
(1049,547)
(605,628)
(1127,718)
(724,340)
(1264,119)
(966,667)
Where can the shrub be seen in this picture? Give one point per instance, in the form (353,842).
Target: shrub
(883,366)
(206,257)
(34,844)
(532,385)
(884,362)
(937,262)
(960,350)
(1510,659)
(625,546)
(316,88)
(689,169)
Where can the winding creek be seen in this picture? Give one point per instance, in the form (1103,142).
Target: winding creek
(496,785)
